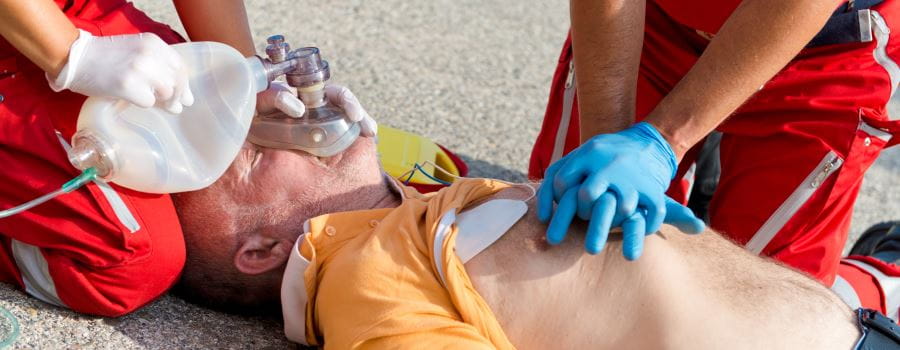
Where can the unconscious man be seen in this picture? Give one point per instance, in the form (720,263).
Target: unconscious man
(359,261)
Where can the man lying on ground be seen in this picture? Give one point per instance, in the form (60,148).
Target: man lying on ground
(375,267)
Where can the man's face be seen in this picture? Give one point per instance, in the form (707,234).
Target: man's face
(272,191)
(240,231)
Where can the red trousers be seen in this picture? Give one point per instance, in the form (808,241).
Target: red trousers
(101,249)
(793,157)
(870,283)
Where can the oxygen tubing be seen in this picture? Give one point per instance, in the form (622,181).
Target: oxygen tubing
(86,176)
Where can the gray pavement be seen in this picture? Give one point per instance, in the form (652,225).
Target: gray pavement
(472,75)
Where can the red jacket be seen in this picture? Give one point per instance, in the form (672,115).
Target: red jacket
(101,249)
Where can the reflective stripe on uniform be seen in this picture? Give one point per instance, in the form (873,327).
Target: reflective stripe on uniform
(845,291)
(875,132)
(882,35)
(827,166)
(118,206)
(690,176)
(865,25)
(35,273)
(115,202)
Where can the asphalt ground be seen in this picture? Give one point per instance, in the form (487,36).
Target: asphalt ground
(471,75)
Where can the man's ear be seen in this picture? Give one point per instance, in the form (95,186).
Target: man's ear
(260,254)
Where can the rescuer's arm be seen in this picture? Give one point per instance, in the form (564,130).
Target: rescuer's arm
(39,30)
(140,69)
(223,21)
(618,172)
(606,44)
(620,179)
(754,44)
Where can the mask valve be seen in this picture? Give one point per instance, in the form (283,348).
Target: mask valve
(324,130)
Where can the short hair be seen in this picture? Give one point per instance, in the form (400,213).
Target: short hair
(210,283)
(209,277)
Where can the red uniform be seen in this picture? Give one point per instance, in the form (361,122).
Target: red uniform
(101,249)
(792,157)
(870,283)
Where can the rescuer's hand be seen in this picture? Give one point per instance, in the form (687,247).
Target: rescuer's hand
(342,97)
(614,180)
(139,68)
(282,97)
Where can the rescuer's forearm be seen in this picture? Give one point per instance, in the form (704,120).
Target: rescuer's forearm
(223,21)
(754,44)
(39,30)
(607,36)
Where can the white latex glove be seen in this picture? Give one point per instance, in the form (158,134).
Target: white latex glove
(342,97)
(282,97)
(139,68)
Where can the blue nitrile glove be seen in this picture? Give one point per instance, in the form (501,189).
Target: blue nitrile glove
(613,180)
(633,238)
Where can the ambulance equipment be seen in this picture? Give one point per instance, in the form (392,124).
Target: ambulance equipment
(325,129)
(152,150)
(414,159)
(417,161)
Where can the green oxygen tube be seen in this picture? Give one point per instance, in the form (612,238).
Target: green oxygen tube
(86,176)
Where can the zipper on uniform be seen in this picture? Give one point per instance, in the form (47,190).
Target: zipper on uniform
(826,167)
(826,170)
(565,118)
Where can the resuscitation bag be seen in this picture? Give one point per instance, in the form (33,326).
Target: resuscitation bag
(152,150)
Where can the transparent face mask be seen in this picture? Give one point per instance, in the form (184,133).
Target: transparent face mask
(324,130)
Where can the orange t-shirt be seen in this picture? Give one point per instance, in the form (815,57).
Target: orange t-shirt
(375,279)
